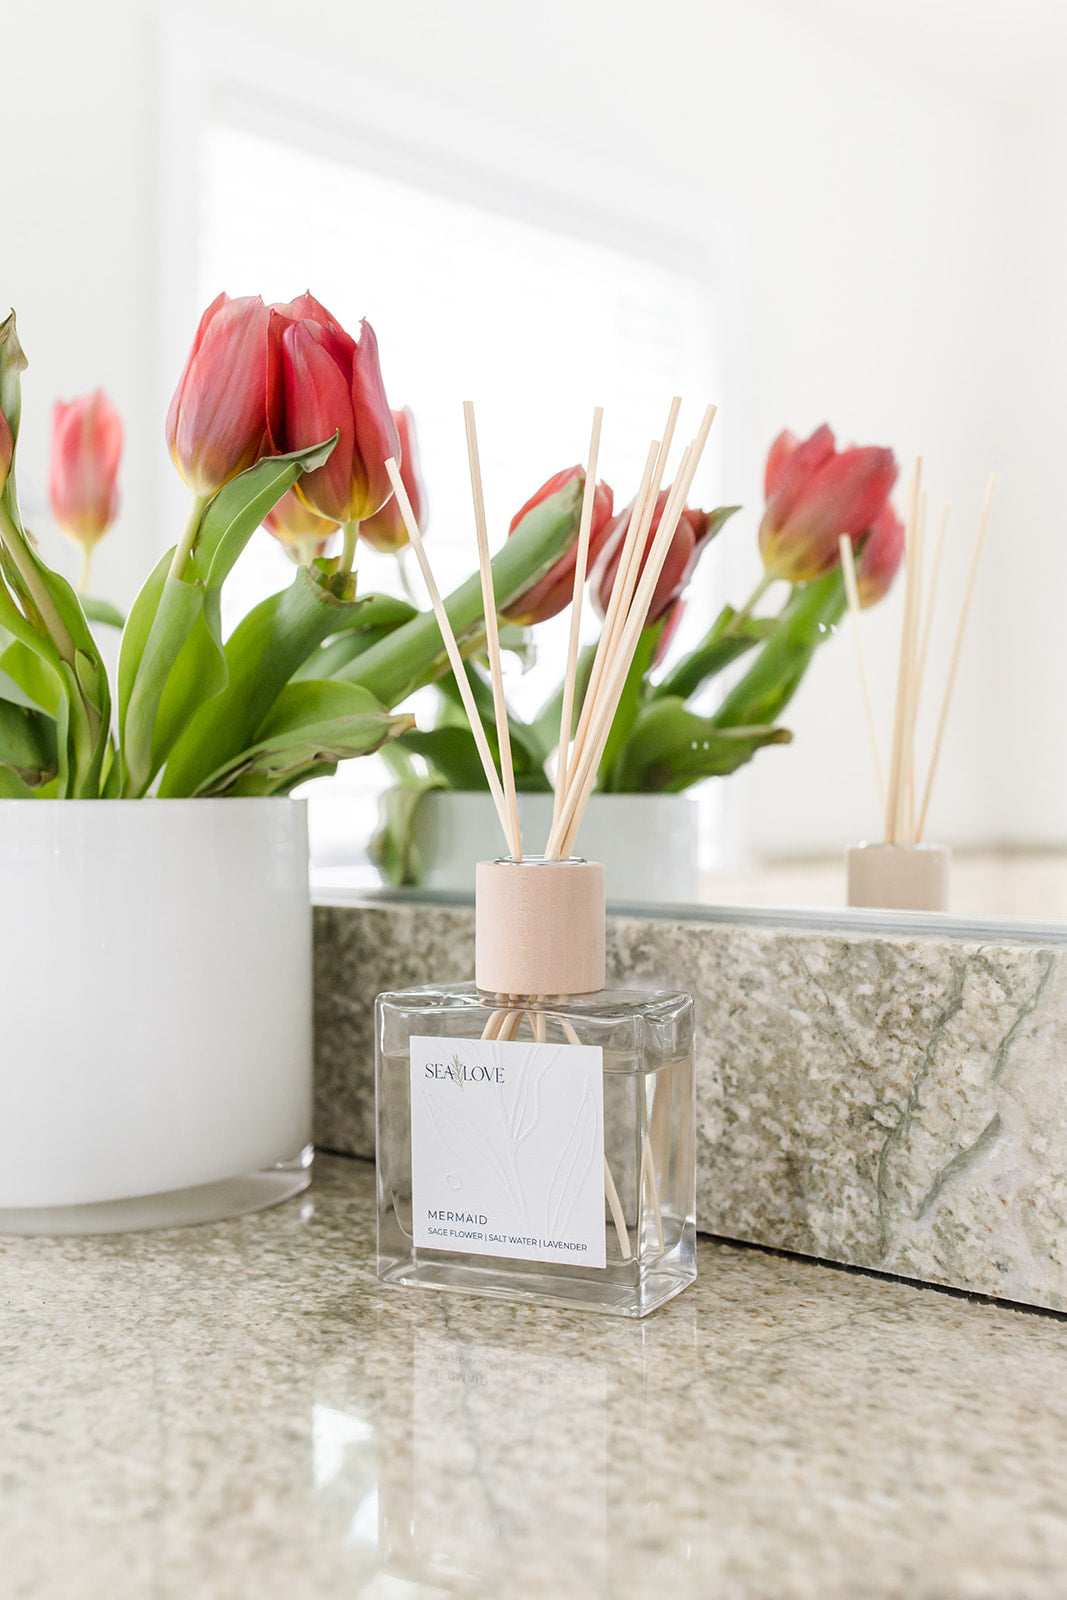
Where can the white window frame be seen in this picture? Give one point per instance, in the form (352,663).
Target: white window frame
(377,123)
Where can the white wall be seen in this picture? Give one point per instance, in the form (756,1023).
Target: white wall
(869,212)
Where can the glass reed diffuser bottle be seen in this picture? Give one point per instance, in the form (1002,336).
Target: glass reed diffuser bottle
(535,1130)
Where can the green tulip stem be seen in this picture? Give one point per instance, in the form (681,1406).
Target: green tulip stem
(86,567)
(348,553)
(184,548)
(753,600)
(22,559)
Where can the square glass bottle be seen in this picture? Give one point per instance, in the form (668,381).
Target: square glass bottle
(535,1131)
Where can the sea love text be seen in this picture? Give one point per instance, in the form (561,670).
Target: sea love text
(460,1072)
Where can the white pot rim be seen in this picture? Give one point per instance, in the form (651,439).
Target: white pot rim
(171,804)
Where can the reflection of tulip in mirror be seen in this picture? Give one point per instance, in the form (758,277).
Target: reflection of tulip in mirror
(552,593)
(84,469)
(815,493)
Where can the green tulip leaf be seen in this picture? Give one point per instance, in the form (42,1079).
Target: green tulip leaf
(33,675)
(28,745)
(809,617)
(12,786)
(377,617)
(415,655)
(392,845)
(630,701)
(264,651)
(102,611)
(527,754)
(171,660)
(310,723)
(670,748)
(232,516)
(730,637)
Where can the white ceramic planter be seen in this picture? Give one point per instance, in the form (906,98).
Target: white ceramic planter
(155,1030)
(649,843)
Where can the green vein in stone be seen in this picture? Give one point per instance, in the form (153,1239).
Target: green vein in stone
(1046,960)
(902,1126)
(960,1163)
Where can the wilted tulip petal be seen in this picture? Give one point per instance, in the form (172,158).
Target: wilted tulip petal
(815,494)
(385,530)
(228,400)
(83,476)
(554,592)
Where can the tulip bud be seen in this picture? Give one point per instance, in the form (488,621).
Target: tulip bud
(690,537)
(815,493)
(333,385)
(554,592)
(385,530)
(83,480)
(227,405)
(880,556)
(303,533)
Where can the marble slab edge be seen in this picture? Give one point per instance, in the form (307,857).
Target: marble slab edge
(895,1101)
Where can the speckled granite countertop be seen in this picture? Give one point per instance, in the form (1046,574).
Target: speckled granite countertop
(239,1410)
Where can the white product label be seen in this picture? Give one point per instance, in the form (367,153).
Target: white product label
(507,1149)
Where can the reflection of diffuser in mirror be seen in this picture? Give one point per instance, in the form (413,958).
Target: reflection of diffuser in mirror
(582,1113)
(903,872)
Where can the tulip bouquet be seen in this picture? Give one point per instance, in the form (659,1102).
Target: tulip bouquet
(659,742)
(279,414)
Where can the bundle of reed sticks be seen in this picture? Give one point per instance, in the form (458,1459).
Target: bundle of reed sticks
(579,759)
(904,805)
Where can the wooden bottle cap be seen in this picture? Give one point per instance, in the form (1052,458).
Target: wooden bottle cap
(899,877)
(539,926)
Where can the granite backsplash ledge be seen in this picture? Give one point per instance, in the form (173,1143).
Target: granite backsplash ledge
(891,1101)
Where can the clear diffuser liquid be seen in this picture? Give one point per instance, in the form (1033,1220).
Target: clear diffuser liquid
(649,1243)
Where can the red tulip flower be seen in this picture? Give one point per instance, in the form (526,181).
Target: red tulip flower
(815,493)
(227,405)
(304,533)
(333,385)
(880,556)
(83,476)
(687,545)
(385,530)
(548,597)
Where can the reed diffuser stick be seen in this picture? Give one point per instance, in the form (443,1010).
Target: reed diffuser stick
(619,665)
(603,645)
(630,563)
(957,648)
(894,817)
(492,640)
(451,647)
(931,597)
(580,783)
(848,567)
(581,563)
(918,558)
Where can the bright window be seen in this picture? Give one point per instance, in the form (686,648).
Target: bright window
(536,324)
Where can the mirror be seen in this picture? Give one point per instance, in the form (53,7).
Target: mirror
(804,210)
